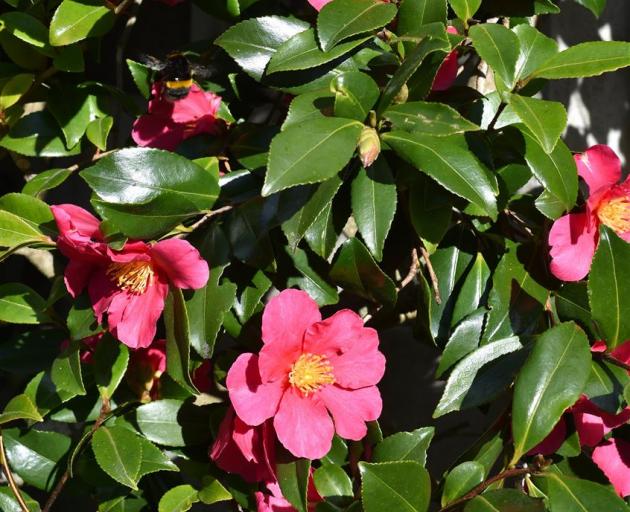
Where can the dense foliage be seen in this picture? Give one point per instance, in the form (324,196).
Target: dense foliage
(266,204)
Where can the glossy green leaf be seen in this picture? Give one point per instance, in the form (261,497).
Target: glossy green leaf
(465,9)
(430,211)
(415,13)
(355,95)
(16,87)
(535,49)
(46,180)
(463,341)
(572,304)
(72,107)
(16,231)
(405,446)
(374,201)
(153,459)
(70,58)
(111,359)
(551,380)
(310,153)
(453,167)
(310,281)
(252,43)
(341,19)
(31,210)
(608,294)
(66,370)
(461,479)
(332,481)
(8,503)
(141,75)
(178,340)
(293,476)
(472,291)
(118,452)
(355,270)
(430,118)
(309,106)
(20,304)
(403,486)
(545,119)
(605,385)
(586,59)
(595,6)
(178,499)
(213,491)
(323,234)
(76,20)
(98,130)
(171,422)
(26,27)
(499,47)
(504,500)
(569,493)
(461,378)
(20,407)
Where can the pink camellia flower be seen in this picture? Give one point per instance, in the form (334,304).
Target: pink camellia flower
(574,237)
(307,370)
(129,285)
(169,123)
(88,346)
(447,74)
(146,366)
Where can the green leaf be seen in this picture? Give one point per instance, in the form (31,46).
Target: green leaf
(26,28)
(8,503)
(355,95)
(330,143)
(331,480)
(293,476)
(301,52)
(141,75)
(535,49)
(430,211)
(461,479)
(429,118)
(309,106)
(213,491)
(505,500)
(98,131)
(356,271)
(499,47)
(569,493)
(403,486)
(323,234)
(415,13)
(465,9)
(173,423)
(453,167)
(463,341)
(545,119)
(605,385)
(595,6)
(20,304)
(110,364)
(118,452)
(411,446)
(178,340)
(311,282)
(252,43)
(16,87)
(46,180)
(35,456)
(66,370)
(341,19)
(31,210)
(472,291)
(81,321)
(178,499)
(77,20)
(572,304)
(153,459)
(608,294)
(463,375)
(20,407)
(551,380)
(17,232)
(586,60)
(70,58)
(72,108)
(374,201)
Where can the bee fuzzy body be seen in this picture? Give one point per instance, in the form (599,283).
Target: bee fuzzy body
(176,77)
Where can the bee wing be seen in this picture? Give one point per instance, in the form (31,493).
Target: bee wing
(201,71)
(152,62)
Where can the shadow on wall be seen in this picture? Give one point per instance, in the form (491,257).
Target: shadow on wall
(599,108)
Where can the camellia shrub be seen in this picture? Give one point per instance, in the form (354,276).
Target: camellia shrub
(202,254)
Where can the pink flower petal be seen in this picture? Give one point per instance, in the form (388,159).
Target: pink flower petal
(70,217)
(447,74)
(132,318)
(613,458)
(285,319)
(318,4)
(303,425)
(553,441)
(599,346)
(267,503)
(152,131)
(351,409)
(181,262)
(253,401)
(592,424)
(196,105)
(573,239)
(77,275)
(101,291)
(622,352)
(599,166)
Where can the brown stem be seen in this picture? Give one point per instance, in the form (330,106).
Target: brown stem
(204,219)
(7,471)
(434,280)
(96,156)
(612,360)
(105,410)
(508,473)
(413,269)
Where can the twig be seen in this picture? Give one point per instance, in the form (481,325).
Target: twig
(413,269)
(96,156)
(496,116)
(105,410)
(203,220)
(612,360)
(7,471)
(508,473)
(434,280)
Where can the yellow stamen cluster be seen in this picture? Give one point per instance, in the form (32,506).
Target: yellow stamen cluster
(310,372)
(133,276)
(615,213)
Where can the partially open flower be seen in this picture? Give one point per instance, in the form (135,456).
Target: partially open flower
(146,366)
(129,285)
(307,370)
(447,74)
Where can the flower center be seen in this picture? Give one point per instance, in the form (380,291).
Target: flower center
(132,276)
(310,372)
(615,214)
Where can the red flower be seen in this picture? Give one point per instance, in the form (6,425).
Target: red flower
(276,502)
(447,74)
(129,285)
(146,366)
(574,237)
(88,347)
(306,370)
(169,123)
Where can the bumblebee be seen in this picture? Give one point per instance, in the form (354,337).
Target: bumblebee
(176,74)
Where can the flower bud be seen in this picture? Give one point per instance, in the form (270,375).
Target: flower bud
(369,146)
(402,96)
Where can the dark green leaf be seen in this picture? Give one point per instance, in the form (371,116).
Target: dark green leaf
(141,75)
(572,304)
(27,28)
(81,321)
(504,500)
(178,340)
(535,49)
(110,364)
(76,20)
(430,211)
(472,291)
(568,493)
(586,59)
(415,13)
(46,180)
(332,481)
(465,9)
(405,446)
(8,503)
(178,499)
(293,476)
(118,452)
(430,118)
(355,95)
(551,380)
(461,479)
(16,87)
(499,47)
(98,131)
(323,234)
(463,341)
(605,385)
(309,106)
(595,6)
(311,282)
(66,370)
(20,407)
(20,304)
(403,486)
(545,119)
(173,423)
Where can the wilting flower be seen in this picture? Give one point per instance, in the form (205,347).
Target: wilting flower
(574,237)
(447,73)
(146,366)
(169,123)
(129,285)
(307,370)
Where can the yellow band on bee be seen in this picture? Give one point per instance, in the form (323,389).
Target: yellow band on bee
(182,84)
